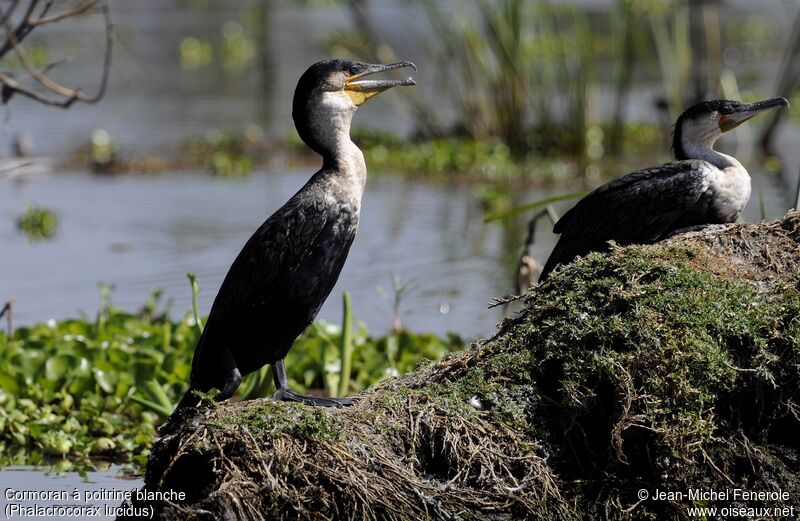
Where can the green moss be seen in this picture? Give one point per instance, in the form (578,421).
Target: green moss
(277,419)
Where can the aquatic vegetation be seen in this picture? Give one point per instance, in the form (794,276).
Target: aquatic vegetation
(227,154)
(37,223)
(84,389)
(103,152)
(195,53)
(794,105)
(489,162)
(499,64)
(235,50)
(238,49)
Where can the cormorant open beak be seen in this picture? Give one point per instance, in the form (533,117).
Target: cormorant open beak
(361,90)
(747,111)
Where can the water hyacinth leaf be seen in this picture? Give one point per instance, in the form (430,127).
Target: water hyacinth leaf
(124,385)
(110,380)
(102,380)
(169,363)
(58,366)
(157,393)
(309,375)
(83,367)
(82,385)
(9,384)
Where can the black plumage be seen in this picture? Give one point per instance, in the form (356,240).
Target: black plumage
(702,187)
(285,271)
(667,198)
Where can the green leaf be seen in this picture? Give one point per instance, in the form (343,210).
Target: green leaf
(9,384)
(102,380)
(532,206)
(56,367)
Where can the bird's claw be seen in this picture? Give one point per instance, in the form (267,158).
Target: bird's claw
(287,395)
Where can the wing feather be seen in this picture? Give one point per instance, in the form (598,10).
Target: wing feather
(637,208)
(268,258)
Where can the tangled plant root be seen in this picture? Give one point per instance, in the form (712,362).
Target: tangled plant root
(409,459)
(673,366)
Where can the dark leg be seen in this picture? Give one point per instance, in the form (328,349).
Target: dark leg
(232,381)
(284,394)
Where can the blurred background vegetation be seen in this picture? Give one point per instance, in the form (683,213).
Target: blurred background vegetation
(518,101)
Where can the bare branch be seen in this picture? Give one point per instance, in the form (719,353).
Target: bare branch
(101,91)
(21,30)
(8,310)
(69,95)
(11,86)
(36,73)
(7,14)
(75,11)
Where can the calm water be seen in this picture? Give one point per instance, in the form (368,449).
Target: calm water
(141,233)
(91,489)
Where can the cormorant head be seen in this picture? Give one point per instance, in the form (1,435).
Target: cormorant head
(328,94)
(702,124)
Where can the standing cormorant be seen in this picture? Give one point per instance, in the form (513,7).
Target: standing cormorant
(286,270)
(702,187)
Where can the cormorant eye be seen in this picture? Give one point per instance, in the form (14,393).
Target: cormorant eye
(354,69)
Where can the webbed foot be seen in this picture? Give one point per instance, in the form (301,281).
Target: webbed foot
(287,395)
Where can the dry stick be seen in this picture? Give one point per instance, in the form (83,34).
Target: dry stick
(7,310)
(22,29)
(530,238)
(75,11)
(7,14)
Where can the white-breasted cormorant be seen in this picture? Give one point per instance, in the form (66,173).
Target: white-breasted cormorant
(701,187)
(284,273)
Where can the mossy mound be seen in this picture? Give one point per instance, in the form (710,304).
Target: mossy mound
(670,367)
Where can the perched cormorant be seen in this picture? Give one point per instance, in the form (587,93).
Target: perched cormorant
(286,270)
(702,187)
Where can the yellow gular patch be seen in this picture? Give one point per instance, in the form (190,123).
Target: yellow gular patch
(360,96)
(727,123)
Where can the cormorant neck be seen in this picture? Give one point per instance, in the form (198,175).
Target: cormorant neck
(694,139)
(704,151)
(323,123)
